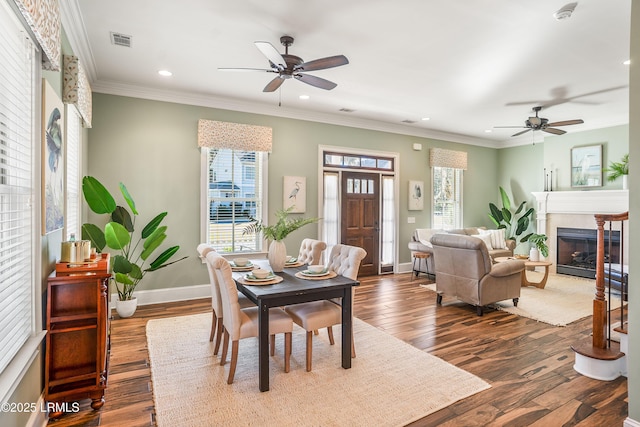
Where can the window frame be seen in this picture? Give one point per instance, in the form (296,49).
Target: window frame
(458,178)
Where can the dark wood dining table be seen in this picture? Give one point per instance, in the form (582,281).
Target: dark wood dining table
(293,290)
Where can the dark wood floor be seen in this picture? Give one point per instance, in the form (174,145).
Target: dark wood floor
(528,363)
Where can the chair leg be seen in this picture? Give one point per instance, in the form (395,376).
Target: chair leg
(439,299)
(214,325)
(287,351)
(218,336)
(273,344)
(316,332)
(515,302)
(479,310)
(330,331)
(309,349)
(234,361)
(225,346)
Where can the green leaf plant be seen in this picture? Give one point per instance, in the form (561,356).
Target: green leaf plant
(515,222)
(618,169)
(540,242)
(282,228)
(130,263)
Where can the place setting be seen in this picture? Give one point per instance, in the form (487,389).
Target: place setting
(316,272)
(292,262)
(260,277)
(241,264)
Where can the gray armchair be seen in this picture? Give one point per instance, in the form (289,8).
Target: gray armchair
(464,270)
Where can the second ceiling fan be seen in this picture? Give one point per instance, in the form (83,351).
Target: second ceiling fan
(290,66)
(540,123)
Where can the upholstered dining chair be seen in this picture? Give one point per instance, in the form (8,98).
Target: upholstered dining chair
(311,316)
(311,251)
(243,323)
(216,302)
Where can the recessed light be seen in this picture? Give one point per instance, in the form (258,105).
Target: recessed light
(165,73)
(488,130)
(426,118)
(304,97)
(627,62)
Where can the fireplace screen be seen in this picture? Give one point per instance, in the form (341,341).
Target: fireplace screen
(577,251)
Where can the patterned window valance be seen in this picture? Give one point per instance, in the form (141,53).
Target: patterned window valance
(448,158)
(43,16)
(76,89)
(235,136)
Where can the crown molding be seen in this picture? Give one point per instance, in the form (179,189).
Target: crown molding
(74,28)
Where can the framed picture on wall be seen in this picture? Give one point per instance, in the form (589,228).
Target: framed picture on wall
(53,170)
(416,195)
(586,166)
(295,193)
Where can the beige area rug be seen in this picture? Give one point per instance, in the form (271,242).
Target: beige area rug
(390,383)
(564,299)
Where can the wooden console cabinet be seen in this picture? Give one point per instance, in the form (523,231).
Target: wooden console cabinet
(77,344)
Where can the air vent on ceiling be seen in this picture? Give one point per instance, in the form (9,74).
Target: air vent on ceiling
(119,39)
(347,110)
(408,121)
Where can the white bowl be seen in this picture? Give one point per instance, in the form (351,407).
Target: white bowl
(289,258)
(316,268)
(260,273)
(241,262)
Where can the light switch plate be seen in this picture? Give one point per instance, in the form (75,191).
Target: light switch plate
(411,220)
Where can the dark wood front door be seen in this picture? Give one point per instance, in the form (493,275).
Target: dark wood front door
(360,216)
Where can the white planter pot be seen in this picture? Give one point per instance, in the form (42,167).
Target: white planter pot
(534,254)
(625,182)
(126,308)
(277,255)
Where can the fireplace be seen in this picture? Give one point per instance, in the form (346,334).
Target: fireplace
(576,250)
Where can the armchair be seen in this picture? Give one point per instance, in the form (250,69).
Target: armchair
(464,270)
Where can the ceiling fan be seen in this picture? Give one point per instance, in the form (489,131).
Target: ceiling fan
(540,123)
(291,66)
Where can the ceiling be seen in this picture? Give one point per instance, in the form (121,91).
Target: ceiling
(466,65)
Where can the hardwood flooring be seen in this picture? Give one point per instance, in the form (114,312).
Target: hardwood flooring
(529,364)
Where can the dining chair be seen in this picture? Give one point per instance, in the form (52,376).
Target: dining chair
(216,302)
(311,251)
(239,323)
(311,316)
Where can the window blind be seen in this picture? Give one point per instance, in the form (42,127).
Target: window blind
(16,187)
(72,215)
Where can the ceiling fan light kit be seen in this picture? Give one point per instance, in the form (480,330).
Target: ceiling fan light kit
(290,66)
(565,11)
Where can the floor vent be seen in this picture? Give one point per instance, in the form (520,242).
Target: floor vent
(120,39)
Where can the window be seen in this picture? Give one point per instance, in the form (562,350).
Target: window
(72,215)
(447,198)
(235,181)
(20,329)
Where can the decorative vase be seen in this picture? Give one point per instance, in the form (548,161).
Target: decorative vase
(534,254)
(126,308)
(625,182)
(277,255)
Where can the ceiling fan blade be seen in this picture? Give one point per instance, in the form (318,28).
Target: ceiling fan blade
(566,122)
(273,84)
(555,131)
(508,127)
(247,69)
(520,133)
(315,81)
(272,54)
(323,63)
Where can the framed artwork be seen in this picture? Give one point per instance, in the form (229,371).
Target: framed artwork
(416,195)
(586,166)
(53,169)
(295,193)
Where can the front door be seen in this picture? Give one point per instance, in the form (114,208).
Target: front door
(361,216)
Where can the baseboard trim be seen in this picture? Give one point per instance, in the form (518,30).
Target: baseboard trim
(159,296)
(40,417)
(631,423)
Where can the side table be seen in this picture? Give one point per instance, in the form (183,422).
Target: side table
(530,265)
(417,256)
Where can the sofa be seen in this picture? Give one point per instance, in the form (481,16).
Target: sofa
(421,242)
(466,271)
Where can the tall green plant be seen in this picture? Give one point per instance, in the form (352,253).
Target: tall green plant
(282,228)
(514,223)
(128,266)
(618,169)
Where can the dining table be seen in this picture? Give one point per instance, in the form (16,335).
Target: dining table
(294,289)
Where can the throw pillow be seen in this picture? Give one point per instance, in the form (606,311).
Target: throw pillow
(486,239)
(497,238)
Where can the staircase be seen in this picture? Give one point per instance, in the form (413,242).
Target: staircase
(602,358)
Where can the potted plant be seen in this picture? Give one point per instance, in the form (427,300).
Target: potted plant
(284,226)
(131,261)
(514,223)
(619,169)
(539,246)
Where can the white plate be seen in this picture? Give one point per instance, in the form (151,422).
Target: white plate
(248,265)
(255,279)
(310,274)
(293,261)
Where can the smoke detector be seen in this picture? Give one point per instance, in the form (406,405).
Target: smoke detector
(565,11)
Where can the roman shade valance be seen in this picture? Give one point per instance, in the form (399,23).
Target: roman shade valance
(235,136)
(439,157)
(43,17)
(76,89)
